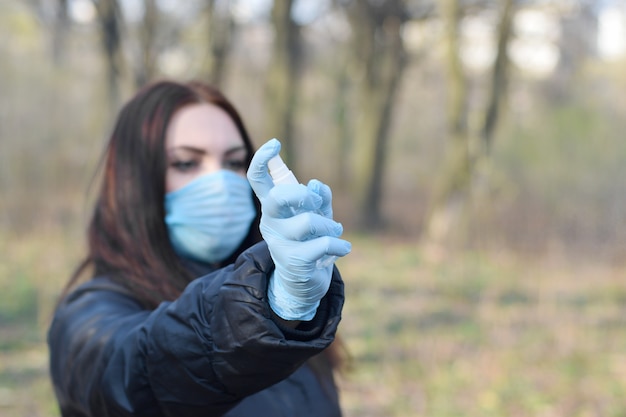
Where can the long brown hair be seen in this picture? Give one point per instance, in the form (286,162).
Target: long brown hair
(127,236)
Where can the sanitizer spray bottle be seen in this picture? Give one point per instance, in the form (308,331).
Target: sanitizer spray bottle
(281,174)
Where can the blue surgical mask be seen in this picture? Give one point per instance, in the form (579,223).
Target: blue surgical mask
(208,218)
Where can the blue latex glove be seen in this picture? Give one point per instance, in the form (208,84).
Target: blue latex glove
(297,224)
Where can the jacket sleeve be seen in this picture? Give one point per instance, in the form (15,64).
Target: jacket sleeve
(198,355)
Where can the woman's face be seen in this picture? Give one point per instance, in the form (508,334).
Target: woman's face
(201,139)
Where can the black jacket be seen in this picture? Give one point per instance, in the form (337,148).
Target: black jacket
(215,351)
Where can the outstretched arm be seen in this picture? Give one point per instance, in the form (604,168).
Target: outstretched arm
(200,354)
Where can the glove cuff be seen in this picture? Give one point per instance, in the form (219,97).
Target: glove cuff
(287,306)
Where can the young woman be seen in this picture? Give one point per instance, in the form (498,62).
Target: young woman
(187,310)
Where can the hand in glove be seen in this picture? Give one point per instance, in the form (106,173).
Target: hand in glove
(297,224)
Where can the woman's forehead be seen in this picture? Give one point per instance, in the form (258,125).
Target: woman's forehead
(203,126)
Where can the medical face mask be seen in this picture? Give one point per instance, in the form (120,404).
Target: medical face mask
(208,218)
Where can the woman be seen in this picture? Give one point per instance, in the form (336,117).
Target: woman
(187,311)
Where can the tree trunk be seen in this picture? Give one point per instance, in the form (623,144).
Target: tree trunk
(499,78)
(221,33)
(374,195)
(109,18)
(146,67)
(283,79)
(451,191)
(343,131)
(380,52)
(462,167)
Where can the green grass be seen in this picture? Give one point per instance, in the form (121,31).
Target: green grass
(480,335)
(32,271)
(467,334)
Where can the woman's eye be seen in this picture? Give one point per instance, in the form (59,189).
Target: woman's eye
(184,166)
(235,165)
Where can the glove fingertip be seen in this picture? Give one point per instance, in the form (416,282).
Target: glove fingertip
(318,187)
(274,144)
(340,247)
(347,247)
(267,151)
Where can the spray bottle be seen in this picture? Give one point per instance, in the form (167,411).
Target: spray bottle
(281,174)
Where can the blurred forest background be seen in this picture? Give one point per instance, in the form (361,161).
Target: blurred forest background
(475,149)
